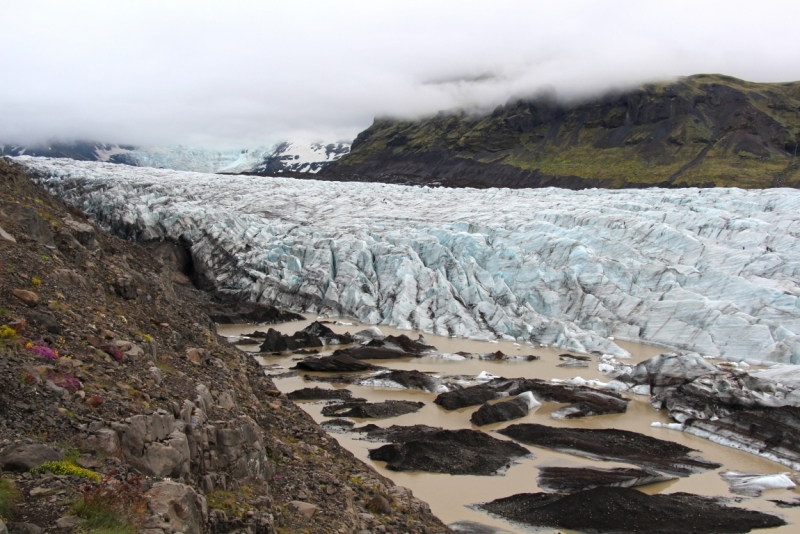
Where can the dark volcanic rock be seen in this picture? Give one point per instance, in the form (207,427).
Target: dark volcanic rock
(314,335)
(374,353)
(457,452)
(24,457)
(405,379)
(770,432)
(317,393)
(250,312)
(570,362)
(502,411)
(396,433)
(338,426)
(472,527)
(669,370)
(583,400)
(390,347)
(410,379)
(612,444)
(500,356)
(368,410)
(575,479)
(339,363)
(404,343)
(566,357)
(624,510)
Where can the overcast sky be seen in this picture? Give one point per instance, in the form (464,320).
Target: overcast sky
(240,74)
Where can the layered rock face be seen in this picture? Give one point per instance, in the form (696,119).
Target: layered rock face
(713,271)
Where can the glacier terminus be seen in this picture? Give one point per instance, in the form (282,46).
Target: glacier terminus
(712,271)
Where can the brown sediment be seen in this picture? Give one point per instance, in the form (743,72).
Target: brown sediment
(449,495)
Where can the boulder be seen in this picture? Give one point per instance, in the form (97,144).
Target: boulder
(5,235)
(505,411)
(24,457)
(176,506)
(84,233)
(69,522)
(307,509)
(29,298)
(103,440)
(47,321)
(35,226)
(24,528)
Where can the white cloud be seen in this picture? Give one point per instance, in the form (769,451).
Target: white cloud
(232,74)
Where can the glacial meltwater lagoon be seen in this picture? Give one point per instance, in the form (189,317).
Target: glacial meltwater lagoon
(450,495)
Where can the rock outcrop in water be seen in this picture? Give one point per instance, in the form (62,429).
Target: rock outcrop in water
(389,348)
(392,379)
(712,271)
(317,393)
(575,479)
(612,444)
(457,452)
(370,410)
(339,363)
(584,401)
(758,413)
(314,335)
(506,410)
(623,510)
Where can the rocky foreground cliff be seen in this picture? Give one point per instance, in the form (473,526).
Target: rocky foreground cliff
(122,411)
(704,131)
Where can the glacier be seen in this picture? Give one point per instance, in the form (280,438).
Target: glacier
(713,271)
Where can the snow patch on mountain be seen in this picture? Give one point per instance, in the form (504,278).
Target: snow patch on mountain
(295,156)
(292,156)
(715,271)
(302,157)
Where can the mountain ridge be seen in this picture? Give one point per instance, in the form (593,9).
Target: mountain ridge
(702,130)
(287,156)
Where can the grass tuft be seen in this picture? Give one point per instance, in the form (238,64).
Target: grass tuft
(9,497)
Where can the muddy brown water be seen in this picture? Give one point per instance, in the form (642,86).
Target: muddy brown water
(450,495)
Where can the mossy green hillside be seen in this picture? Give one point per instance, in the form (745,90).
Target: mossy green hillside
(698,131)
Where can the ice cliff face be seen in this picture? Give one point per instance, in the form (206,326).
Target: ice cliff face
(715,271)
